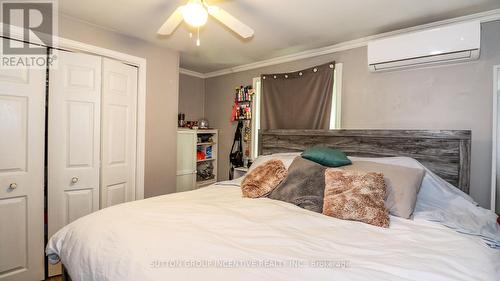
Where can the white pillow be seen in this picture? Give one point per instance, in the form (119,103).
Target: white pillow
(286,158)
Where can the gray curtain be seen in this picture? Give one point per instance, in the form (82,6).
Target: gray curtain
(298,100)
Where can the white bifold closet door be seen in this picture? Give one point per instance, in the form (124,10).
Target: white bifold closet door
(91,137)
(22,115)
(74,121)
(118,143)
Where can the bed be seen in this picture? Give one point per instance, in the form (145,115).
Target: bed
(215,234)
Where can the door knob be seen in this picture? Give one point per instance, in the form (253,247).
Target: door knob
(74,179)
(13,185)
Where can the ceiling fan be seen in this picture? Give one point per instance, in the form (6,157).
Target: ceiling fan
(195,13)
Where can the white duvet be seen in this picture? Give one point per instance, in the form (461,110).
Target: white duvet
(215,234)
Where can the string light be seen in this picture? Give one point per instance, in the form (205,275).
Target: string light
(300,73)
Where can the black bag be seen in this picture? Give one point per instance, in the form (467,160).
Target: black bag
(236,157)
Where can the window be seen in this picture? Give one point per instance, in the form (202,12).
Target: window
(256,118)
(335,113)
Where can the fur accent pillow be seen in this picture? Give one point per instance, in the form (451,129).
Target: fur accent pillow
(352,195)
(263,179)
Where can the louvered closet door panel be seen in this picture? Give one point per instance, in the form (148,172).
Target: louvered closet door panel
(119,100)
(22,100)
(74,138)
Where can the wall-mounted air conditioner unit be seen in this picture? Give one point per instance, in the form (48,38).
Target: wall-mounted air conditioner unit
(444,44)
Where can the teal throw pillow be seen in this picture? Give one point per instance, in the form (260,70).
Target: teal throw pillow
(326,156)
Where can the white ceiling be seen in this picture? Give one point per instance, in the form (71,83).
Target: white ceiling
(281,27)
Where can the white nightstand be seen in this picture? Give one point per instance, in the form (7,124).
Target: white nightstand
(240,172)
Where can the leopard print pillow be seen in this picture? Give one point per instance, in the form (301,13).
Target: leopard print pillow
(263,179)
(353,195)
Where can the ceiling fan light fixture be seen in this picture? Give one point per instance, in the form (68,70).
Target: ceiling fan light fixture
(194,13)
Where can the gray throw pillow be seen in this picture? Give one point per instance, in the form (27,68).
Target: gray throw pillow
(402,183)
(304,185)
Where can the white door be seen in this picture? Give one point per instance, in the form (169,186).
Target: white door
(118,149)
(496,196)
(73,138)
(186,160)
(22,115)
(495,173)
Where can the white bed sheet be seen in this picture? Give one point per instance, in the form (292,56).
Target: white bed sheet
(180,236)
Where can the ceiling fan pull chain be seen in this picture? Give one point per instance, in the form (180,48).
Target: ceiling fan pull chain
(198,39)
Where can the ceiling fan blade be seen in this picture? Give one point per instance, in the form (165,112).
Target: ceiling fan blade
(172,22)
(231,22)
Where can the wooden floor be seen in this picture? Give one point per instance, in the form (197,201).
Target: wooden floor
(56,278)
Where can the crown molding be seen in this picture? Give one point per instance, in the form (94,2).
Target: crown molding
(293,57)
(192,73)
(483,17)
(17,33)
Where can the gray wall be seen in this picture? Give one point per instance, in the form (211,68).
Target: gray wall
(191,97)
(446,97)
(161,100)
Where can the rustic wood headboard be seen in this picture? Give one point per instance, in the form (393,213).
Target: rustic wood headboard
(446,153)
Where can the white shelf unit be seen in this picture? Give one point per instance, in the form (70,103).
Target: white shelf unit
(188,143)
